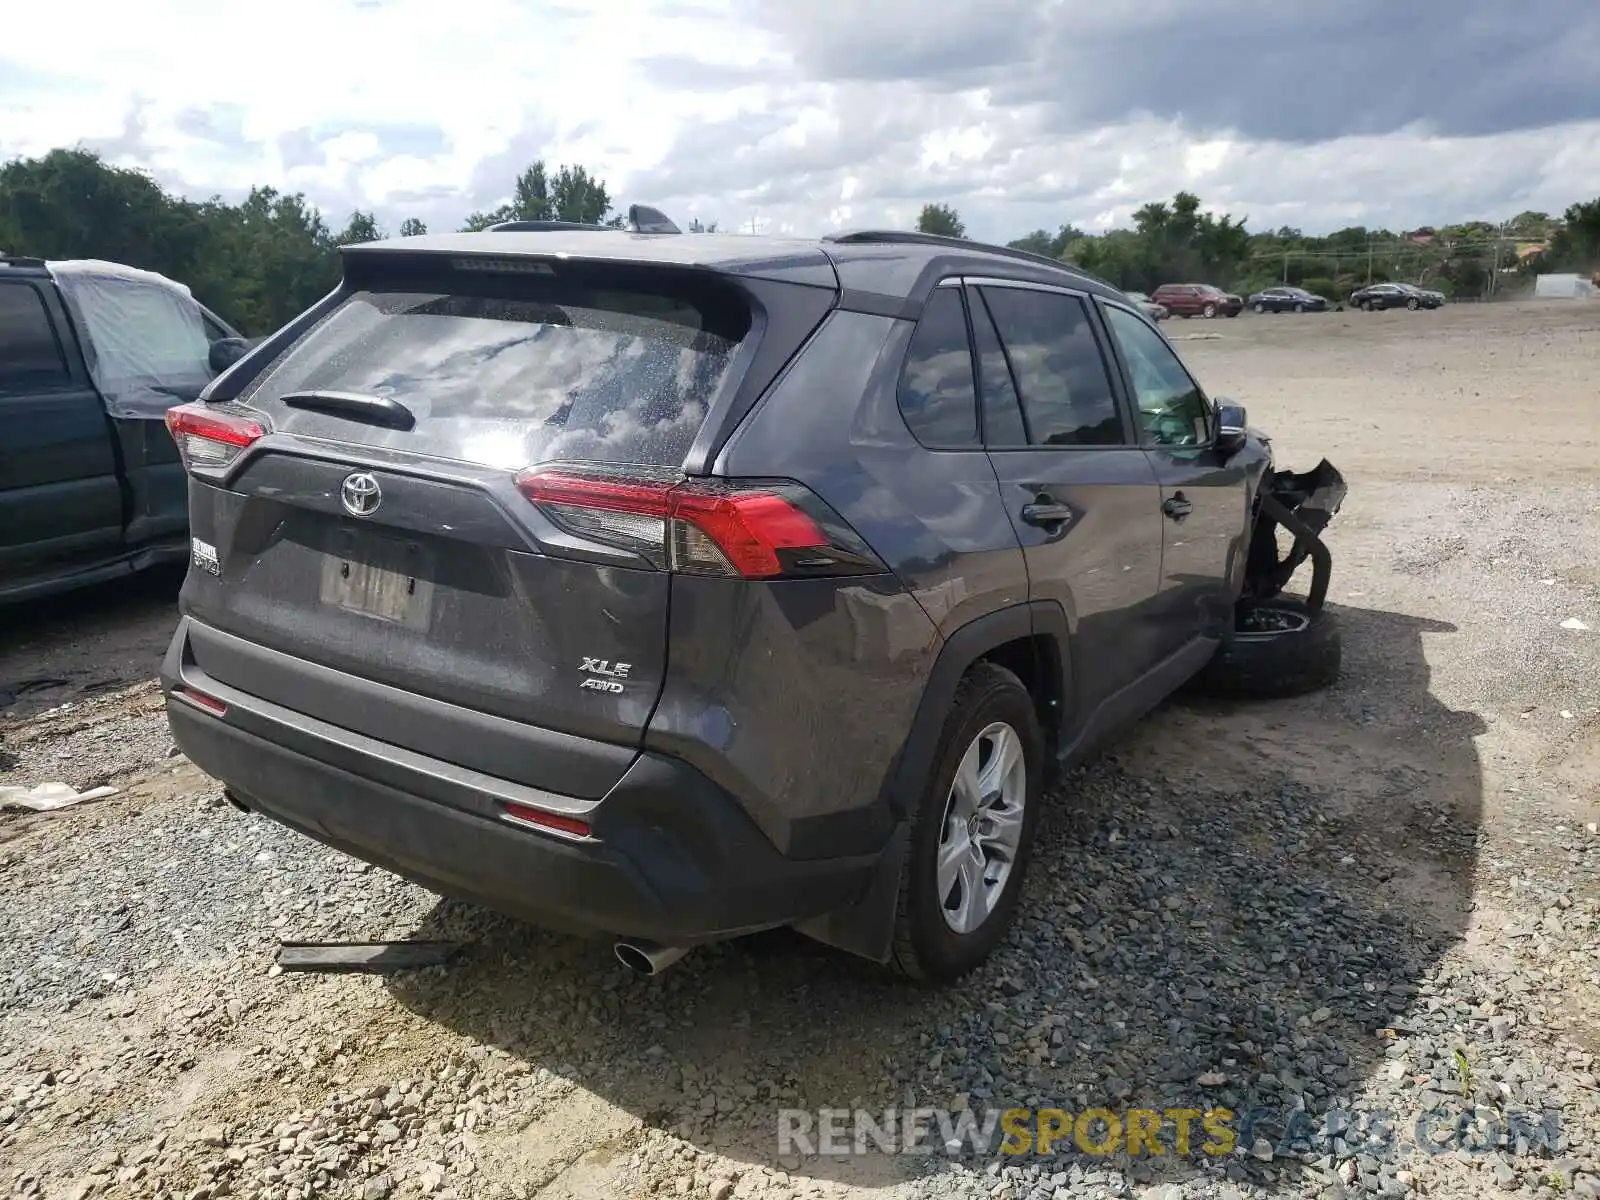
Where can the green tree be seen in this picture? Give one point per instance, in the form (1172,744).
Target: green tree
(412,227)
(573,195)
(577,195)
(941,219)
(362,227)
(1575,245)
(1051,245)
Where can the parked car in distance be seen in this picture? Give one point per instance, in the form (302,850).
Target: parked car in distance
(552,570)
(1156,312)
(1197,300)
(1380,296)
(1287,299)
(1430,298)
(92,354)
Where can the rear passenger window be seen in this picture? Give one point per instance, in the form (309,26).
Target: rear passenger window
(937,394)
(29,353)
(1066,393)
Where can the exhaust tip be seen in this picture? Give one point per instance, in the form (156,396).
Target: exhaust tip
(647,958)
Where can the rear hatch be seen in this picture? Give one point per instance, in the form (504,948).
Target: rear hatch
(376,527)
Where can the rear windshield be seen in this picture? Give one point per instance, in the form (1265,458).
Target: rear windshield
(512,371)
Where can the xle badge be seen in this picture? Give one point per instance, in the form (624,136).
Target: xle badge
(604,675)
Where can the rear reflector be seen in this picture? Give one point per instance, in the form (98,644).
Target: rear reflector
(555,822)
(217,708)
(755,531)
(210,438)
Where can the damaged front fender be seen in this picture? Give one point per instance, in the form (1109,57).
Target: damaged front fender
(1301,504)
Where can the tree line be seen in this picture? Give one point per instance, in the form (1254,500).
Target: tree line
(264,259)
(1176,242)
(258,262)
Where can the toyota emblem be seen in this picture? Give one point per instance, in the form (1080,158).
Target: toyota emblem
(360,494)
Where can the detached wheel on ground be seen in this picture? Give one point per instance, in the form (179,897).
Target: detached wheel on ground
(972,834)
(1279,648)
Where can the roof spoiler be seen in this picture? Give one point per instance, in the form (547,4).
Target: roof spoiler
(641,219)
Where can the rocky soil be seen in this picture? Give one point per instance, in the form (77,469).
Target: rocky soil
(1330,916)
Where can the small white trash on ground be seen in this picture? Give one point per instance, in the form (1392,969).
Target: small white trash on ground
(46,797)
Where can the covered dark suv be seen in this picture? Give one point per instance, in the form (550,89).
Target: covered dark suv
(677,587)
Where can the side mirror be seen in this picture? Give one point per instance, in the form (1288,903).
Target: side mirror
(227,351)
(1233,427)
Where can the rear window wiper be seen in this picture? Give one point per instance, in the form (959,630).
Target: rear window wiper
(357,406)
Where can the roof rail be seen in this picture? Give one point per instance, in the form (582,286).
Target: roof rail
(869,237)
(641,219)
(21,260)
(541,226)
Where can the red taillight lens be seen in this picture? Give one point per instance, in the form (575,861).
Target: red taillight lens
(208,437)
(756,531)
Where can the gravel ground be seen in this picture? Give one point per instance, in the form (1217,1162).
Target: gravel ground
(1329,916)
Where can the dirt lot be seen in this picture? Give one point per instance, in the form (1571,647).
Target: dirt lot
(1380,901)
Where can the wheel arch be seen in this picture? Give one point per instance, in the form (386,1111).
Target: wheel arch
(1033,641)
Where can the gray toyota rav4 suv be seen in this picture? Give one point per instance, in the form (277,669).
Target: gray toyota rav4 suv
(674,587)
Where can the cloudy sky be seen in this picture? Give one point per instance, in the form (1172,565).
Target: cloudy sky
(808,116)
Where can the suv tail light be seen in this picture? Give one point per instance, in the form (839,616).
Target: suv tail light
(210,438)
(756,529)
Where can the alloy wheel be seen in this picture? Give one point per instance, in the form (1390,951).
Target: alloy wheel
(982,827)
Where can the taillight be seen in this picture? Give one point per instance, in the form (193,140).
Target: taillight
(208,437)
(750,530)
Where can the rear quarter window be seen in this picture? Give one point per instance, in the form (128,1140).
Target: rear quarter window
(510,371)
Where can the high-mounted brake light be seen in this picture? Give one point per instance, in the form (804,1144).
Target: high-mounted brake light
(208,437)
(754,531)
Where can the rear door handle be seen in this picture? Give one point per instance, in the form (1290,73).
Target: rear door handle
(1177,507)
(1046,513)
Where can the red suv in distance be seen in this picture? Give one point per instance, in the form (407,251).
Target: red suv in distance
(1197,300)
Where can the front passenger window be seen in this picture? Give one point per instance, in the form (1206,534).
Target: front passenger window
(1172,409)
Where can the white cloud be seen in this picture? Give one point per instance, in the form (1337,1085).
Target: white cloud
(759,114)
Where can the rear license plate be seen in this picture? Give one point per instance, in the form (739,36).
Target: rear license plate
(386,580)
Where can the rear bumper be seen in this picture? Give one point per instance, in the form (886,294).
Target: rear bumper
(672,857)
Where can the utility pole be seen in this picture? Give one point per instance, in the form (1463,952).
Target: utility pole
(1369,260)
(1285,266)
(1495,272)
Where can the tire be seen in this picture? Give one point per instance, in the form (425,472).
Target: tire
(1259,307)
(1301,655)
(1413,304)
(1209,311)
(1366,306)
(1299,308)
(929,944)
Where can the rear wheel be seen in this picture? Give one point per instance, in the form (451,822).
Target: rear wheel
(1278,648)
(973,832)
